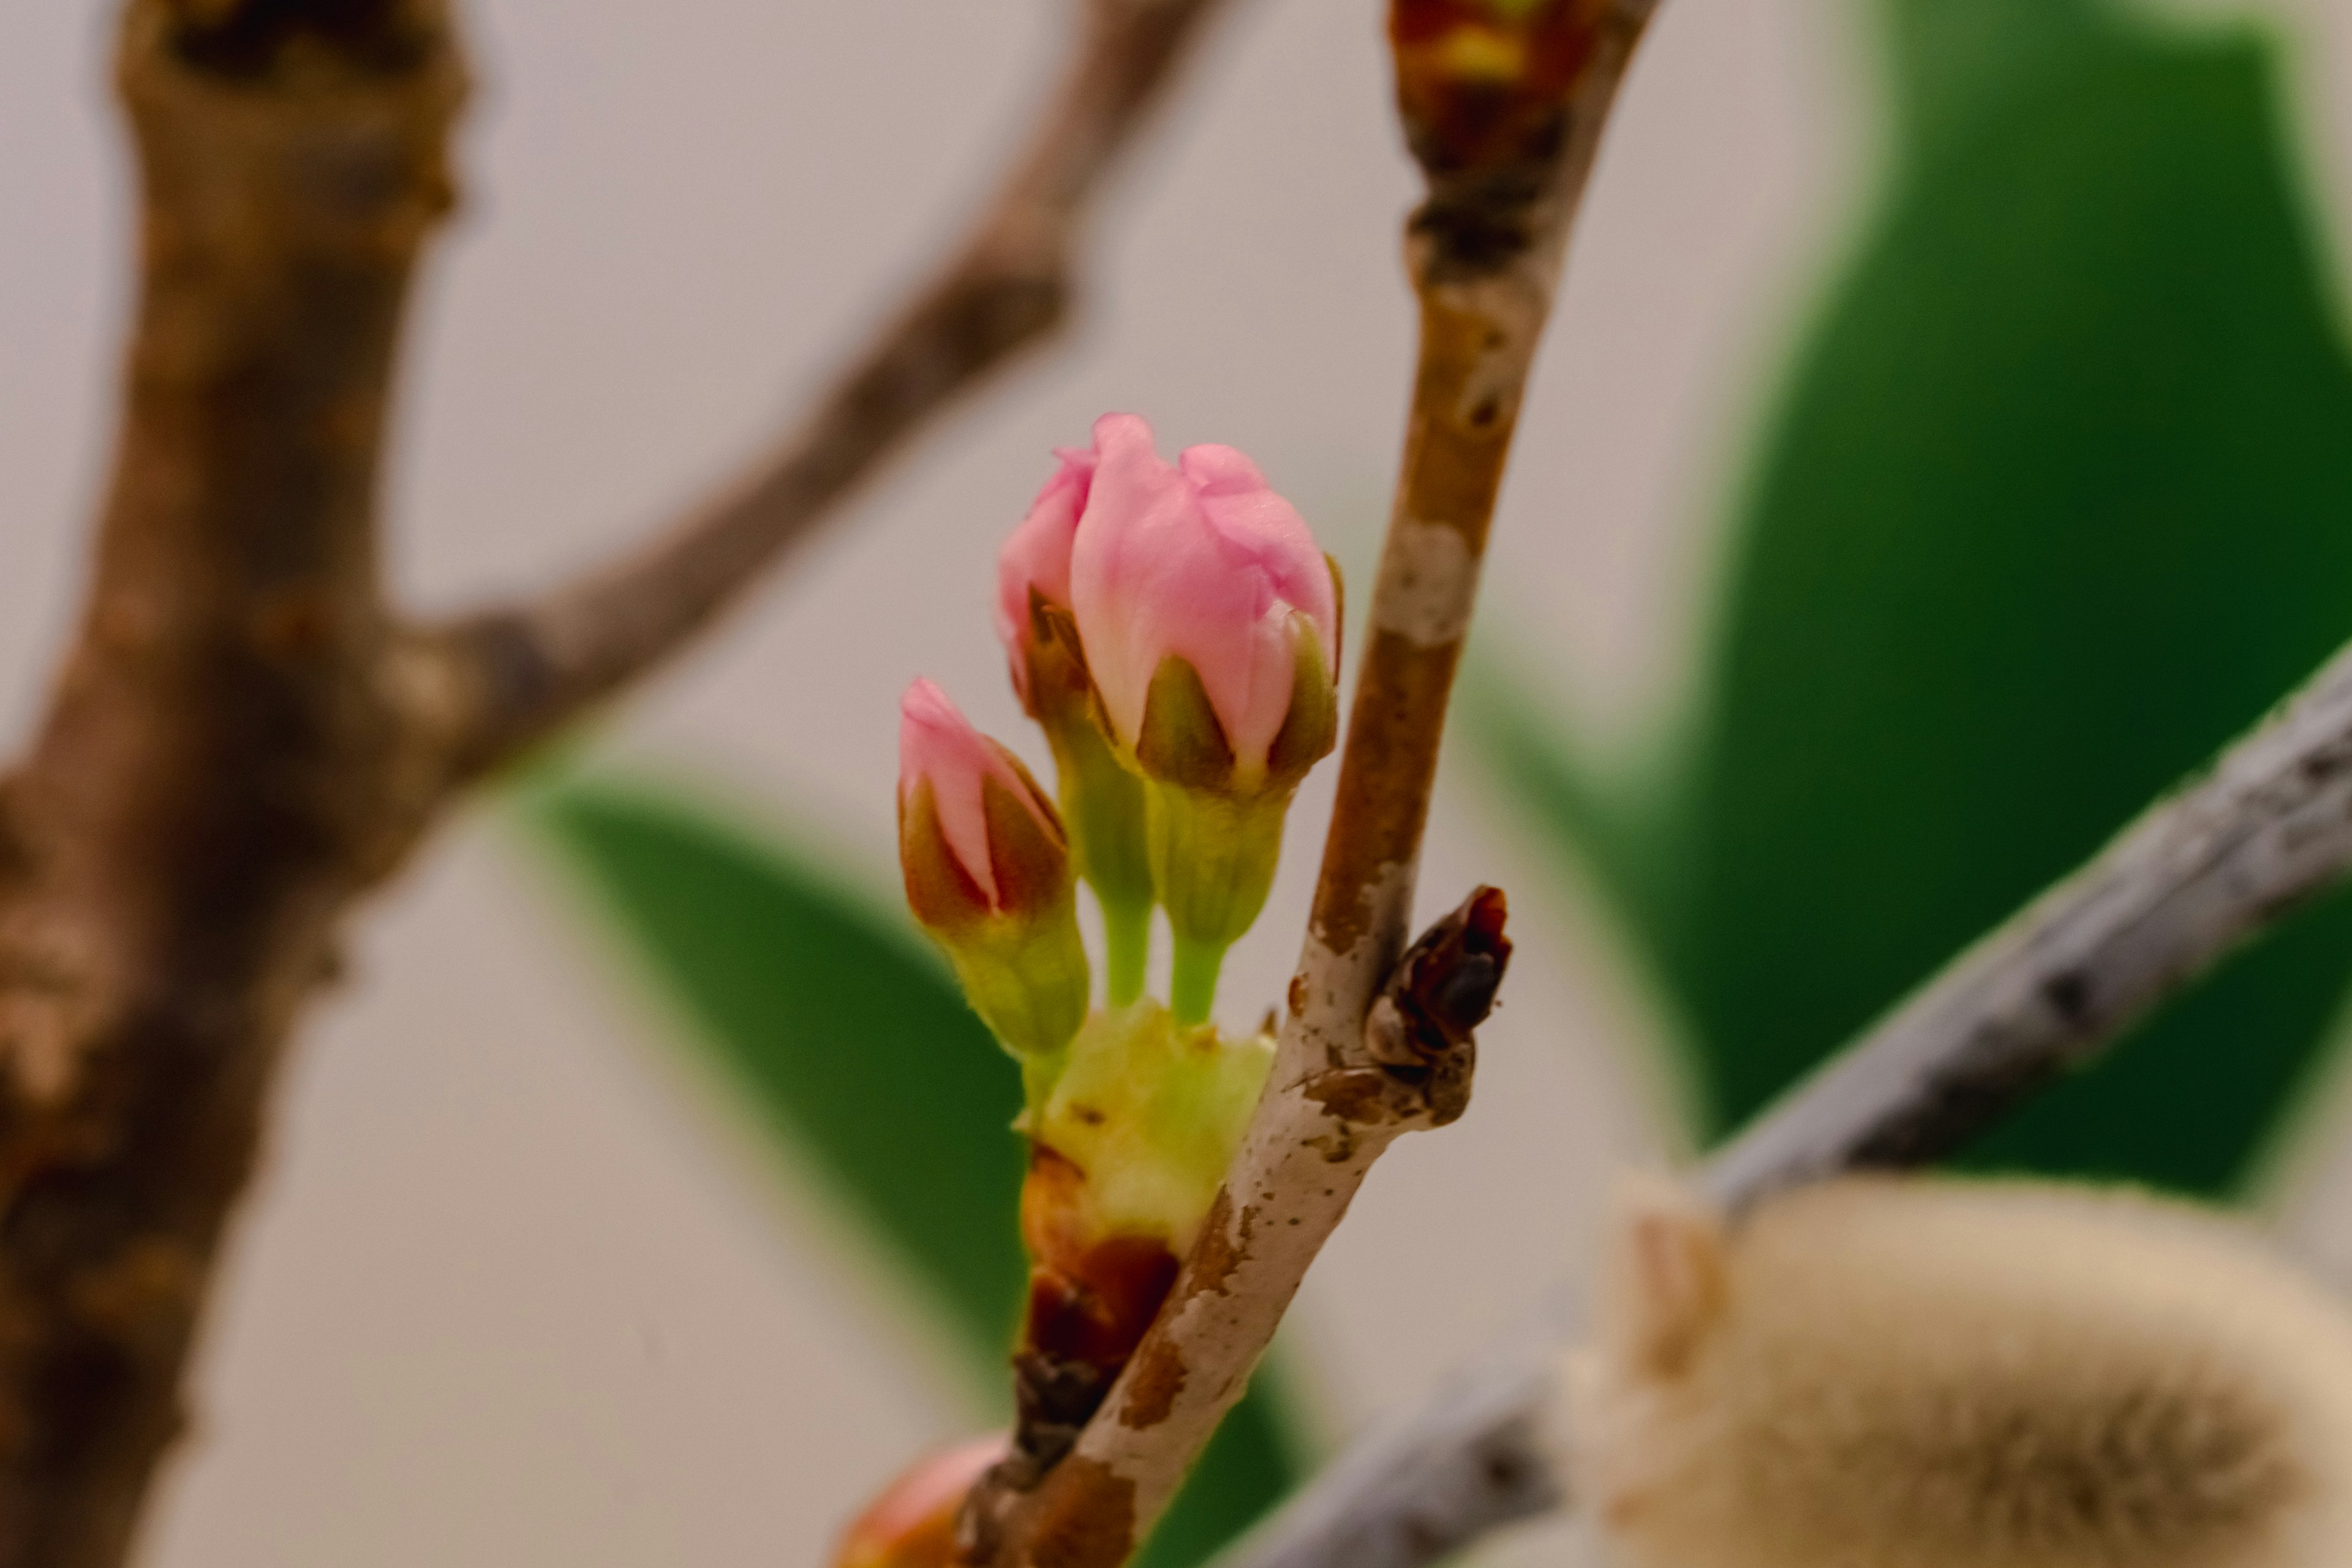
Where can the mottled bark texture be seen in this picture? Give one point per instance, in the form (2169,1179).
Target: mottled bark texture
(244,739)
(228,757)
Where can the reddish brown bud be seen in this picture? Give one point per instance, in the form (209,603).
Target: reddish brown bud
(1484,84)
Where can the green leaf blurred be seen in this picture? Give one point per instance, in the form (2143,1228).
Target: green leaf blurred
(2057,499)
(848,1036)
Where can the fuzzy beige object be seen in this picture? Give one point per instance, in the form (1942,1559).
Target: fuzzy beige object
(1881,1372)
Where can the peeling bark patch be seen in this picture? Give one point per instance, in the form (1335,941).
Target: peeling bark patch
(1153,1386)
(1356,1096)
(1220,1251)
(1429,577)
(1085,1518)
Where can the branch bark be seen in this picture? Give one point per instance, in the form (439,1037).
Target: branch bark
(539,665)
(1506,168)
(245,739)
(2264,831)
(227,760)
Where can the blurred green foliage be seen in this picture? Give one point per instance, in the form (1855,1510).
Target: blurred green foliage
(2057,499)
(847,1034)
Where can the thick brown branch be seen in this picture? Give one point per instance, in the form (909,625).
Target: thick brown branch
(224,761)
(539,665)
(243,740)
(1506,168)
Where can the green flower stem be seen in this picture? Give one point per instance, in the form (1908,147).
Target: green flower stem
(1192,989)
(1127,937)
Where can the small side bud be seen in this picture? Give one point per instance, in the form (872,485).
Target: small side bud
(913,1524)
(1210,627)
(1484,84)
(988,875)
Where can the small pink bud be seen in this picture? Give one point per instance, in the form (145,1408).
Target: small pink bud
(988,874)
(913,1524)
(938,748)
(1197,561)
(1035,558)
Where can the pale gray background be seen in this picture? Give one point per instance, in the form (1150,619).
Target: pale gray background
(516,1286)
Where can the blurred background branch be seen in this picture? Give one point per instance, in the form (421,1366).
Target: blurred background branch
(245,740)
(1006,288)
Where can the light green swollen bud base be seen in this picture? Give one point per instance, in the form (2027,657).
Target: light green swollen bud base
(1213,855)
(1152,1112)
(1028,980)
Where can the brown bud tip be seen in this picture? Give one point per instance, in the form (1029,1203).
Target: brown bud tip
(1420,1027)
(1484,84)
(248,38)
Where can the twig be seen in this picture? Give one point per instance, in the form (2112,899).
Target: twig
(1506,162)
(244,739)
(537,666)
(2266,830)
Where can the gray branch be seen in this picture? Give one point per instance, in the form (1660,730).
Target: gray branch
(2225,858)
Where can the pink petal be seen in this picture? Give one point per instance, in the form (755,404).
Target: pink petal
(1200,559)
(1036,554)
(937,743)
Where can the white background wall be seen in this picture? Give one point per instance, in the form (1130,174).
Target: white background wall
(516,1286)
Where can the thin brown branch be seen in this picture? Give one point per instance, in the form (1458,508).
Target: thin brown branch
(537,666)
(1507,169)
(2267,829)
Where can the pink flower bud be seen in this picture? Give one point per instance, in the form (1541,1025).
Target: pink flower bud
(988,874)
(1037,558)
(945,770)
(913,1524)
(1197,561)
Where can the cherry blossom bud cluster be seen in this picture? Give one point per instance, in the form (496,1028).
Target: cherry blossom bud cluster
(1178,618)
(1173,630)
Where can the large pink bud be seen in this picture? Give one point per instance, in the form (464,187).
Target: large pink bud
(1199,562)
(988,875)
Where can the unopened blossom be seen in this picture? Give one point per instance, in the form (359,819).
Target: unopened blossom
(1102,802)
(988,875)
(1199,562)
(1210,625)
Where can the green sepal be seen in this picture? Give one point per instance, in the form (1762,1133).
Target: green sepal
(1311,728)
(1181,741)
(1214,854)
(1027,978)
